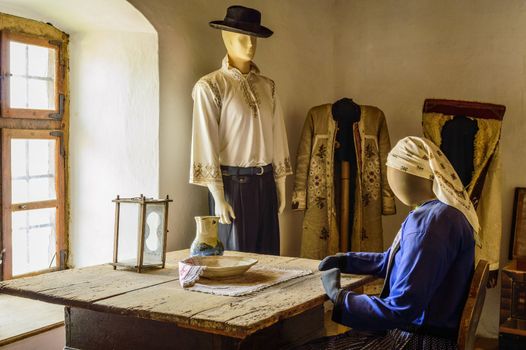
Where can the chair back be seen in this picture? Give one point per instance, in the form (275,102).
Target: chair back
(473,307)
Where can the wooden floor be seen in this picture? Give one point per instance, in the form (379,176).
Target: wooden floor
(21,318)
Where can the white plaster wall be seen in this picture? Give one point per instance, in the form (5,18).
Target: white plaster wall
(54,339)
(113,135)
(299,57)
(395,54)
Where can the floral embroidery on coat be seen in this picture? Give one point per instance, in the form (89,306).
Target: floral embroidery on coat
(317,185)
(371,172)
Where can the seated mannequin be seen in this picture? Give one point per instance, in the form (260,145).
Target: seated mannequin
(427,270)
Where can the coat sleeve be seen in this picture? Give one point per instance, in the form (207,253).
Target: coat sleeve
(299,195)
(384,145)
(281,157)
(205,167)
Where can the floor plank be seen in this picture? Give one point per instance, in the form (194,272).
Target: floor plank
(21,318)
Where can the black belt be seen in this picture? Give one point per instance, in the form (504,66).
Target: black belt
(254,170)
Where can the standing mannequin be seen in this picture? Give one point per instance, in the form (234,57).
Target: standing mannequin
(239,143)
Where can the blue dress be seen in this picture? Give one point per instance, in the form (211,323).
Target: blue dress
(428,286)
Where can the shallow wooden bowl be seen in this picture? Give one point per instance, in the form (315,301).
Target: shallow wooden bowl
(222,266)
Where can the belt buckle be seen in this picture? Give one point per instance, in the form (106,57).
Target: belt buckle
(262,170)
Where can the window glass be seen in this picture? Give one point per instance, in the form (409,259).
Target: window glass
(32,71)
(32,170)
(33,239)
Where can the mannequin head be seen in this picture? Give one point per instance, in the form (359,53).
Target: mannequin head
(241,49)
(410,189)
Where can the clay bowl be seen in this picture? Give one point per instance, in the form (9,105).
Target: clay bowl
(222,266)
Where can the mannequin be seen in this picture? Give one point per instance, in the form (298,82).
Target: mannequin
(458,143)
(346,113)
(241,49)
(409,189)
(239,142)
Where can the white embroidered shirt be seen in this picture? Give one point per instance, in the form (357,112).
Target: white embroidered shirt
(237,121)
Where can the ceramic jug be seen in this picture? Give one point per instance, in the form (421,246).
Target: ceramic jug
(206,240)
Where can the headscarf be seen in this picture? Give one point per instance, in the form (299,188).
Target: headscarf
(420,157)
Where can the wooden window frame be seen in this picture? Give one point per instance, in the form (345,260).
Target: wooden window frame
(9,207)
(45,124)
(6,110)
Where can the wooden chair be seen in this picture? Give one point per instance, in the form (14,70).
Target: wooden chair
(473,307)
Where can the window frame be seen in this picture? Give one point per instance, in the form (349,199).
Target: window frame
(5,109)
(8,207)
(37,34)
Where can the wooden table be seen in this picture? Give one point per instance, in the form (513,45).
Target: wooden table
(107,309)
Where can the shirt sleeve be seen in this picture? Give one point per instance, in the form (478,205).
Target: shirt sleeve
(366,263)
(205,167)
(281,158)
(421,265)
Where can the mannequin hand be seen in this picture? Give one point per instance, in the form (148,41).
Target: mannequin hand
(224,211)
(280,189)
(333,261)
(331,283)
(222,208)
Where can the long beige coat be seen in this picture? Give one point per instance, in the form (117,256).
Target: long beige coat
(486,164)
(314,182)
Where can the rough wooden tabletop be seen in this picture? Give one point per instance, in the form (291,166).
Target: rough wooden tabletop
(157,295)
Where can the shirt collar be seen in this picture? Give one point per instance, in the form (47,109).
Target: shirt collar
(228,68)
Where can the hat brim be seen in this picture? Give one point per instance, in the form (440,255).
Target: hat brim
(263,32)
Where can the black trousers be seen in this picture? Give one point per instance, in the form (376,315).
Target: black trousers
(254,200)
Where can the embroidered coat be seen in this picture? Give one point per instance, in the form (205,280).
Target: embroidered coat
(484,187)
(314,182)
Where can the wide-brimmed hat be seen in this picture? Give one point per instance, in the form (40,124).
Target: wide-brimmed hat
(244,20)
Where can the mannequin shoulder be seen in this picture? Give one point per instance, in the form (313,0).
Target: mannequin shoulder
(441,219)
(213,82)
(211,78)
(321,111)
(268,82)
(373,111)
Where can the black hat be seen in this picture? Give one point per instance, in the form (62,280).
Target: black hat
(244,20)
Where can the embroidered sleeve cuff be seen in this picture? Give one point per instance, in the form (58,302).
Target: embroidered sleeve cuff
(205,174)
(299,200)
(282,168)
(388,206)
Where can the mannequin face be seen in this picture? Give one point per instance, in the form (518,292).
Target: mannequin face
(409,189)
(240,47)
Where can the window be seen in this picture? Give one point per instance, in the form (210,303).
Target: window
(33,155)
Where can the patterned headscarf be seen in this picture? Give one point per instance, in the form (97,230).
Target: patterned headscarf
(421,157)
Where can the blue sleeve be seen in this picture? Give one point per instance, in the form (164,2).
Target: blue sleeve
(419,268)
(366,263)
